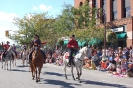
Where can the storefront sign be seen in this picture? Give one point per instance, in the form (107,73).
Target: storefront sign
(120,29)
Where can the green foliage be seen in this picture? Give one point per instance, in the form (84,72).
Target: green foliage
(111,37)
(79,21)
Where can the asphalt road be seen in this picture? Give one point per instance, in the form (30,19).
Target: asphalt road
(52,76)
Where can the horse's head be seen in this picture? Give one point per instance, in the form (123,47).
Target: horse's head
(10,49)
(86,51)
(36,50)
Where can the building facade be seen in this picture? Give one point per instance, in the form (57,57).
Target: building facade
(119,17)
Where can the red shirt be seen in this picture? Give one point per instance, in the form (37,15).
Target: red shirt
(5,46)
(72,43)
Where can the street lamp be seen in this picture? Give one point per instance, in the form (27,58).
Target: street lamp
(98,15)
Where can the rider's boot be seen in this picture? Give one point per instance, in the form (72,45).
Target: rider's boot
(30,58)
(69,62)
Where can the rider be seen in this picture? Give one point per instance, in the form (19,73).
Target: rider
(14,49)
(72,47)
(5,46)
(23,47)
(38,42)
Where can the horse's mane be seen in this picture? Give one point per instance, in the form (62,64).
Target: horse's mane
(10,48)
(83,49)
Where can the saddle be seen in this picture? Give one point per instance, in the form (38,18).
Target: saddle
(67,55)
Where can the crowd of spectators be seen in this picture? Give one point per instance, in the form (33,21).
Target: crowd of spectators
(118,61)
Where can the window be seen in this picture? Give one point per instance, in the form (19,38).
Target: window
(81,3)
(126,6)
(114,12)
(114,15)
(95,3)
(128,11)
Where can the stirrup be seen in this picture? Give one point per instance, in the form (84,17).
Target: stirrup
(68,64)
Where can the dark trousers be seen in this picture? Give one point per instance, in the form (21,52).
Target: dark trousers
(30,55)
(72,53)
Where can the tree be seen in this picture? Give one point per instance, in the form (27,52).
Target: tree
(32,24)
(79,21)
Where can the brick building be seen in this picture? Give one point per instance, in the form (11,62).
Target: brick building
(119,16)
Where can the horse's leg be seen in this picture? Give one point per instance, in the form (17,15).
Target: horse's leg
(72,72)
(77,72)
(23,61)
(7,65)
(2,62)
(36,74)
(39,71)
(32,70)
(10,64)
(80,73)
(15,60)
(65,65)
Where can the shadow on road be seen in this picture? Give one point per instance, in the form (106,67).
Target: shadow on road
(54,73)
(61,83)
(104,84)
(21,66)
(19,70)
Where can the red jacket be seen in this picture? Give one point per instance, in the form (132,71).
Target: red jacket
(72,43)
(5,46)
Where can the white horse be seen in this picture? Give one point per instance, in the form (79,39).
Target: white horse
(8,57)
(78,60)
(25,57)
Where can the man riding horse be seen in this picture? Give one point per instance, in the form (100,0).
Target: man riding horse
(38,42)
(5,46)
(72,47)
(23,48)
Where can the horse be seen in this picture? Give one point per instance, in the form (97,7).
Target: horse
(78,61)
(25,57)
(15,56)
(36,62)
(8,57)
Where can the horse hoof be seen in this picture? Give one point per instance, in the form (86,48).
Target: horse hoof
(79,81)
(32,78)
(76,77)
(36,81)
(73,78)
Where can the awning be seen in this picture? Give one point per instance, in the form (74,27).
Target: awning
(83,43)
(121,35)
(65,42)
(79,42)
(94,41)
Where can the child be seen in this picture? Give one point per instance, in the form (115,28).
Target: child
(130,70)
(87,63)
(124,66)
(103,64)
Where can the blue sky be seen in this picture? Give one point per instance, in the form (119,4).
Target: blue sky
(19,8)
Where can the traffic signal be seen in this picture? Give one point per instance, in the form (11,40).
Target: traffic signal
(6,33)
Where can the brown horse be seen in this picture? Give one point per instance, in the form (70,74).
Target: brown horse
(37,62)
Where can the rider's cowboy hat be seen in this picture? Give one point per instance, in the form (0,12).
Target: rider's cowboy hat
(7,42)
(36,36)
(73,36)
